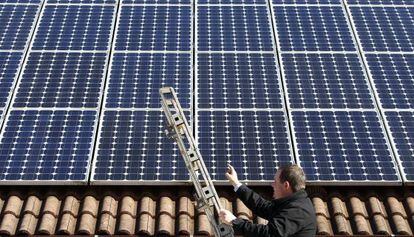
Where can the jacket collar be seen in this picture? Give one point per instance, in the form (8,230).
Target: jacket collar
(301,194)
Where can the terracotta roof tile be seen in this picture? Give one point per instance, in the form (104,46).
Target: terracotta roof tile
(88,215)
(144,210)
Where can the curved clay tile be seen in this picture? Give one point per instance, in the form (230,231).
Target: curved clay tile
(88,215)
(185,216)
(147,216)
(323,222)
(11,215)
(30,216)
(399,216)
(226,204)
(108,213)
(203,227)
(242,211)
(379,216)
(410,206)
(127,215)
(341,217)
(166,223)
(69,215)
(50,215)
(360,216)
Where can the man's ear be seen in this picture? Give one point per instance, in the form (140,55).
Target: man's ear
(286,184)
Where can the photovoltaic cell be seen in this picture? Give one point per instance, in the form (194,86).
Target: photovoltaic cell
(238,81)
(16,24)
(156,1)
(313,28)
(61,80)
(132,147)
(326,81)
(154,28)
(46,145)
(381,2)
(385,29)
(234,28)
(135,79)
(306,1)
(393,76)
(232,2)
(342,146)
(254,142)
(82,1)
(21,1)
(9,67)
(401,125)
(74,27)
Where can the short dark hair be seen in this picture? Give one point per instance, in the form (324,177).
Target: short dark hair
(294,175)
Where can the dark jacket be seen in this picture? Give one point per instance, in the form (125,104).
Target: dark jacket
(289,216)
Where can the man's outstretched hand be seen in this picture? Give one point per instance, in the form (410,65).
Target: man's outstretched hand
(226,216)
(231,175)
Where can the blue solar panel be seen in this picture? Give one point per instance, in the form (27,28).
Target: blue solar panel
(9,67)
(132,146)
(46,145)
(232,2)
(74,27)
(154,28)
(82,1)
(21,1)
(393,77)
(313,28)
(135,79)
(401,125)
(234,28)
(342,146)
(156,1)
(16,24)
(385,29)
(381,2)
(238,81)
(326,81)
(256,142)
(61,80)
(306,1)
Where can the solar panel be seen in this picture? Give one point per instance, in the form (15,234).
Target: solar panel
(154,28)
(306,1)
(326,81)
(81,1)
(238,81)
(9,66)
(16,24)
(381,2)
(393,76)
(254,142)
(232,2)
(74,27)
(46,145)
(233,28)
(132,146)
(135,79)
(313,28)
(385,28)
(156,1)
(401,124)
(342,146)
(21,1)
(61,80)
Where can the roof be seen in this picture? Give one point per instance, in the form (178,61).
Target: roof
(170,210)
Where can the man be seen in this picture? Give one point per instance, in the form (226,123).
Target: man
(290,213)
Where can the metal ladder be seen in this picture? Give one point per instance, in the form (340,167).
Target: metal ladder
(177,129)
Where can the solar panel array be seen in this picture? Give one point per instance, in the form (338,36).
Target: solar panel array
(326,84)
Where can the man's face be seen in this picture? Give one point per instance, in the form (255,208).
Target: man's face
(280,189)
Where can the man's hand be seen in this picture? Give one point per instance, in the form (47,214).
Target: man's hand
(226,216)
(231,175)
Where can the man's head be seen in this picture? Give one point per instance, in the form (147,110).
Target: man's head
(288,179)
